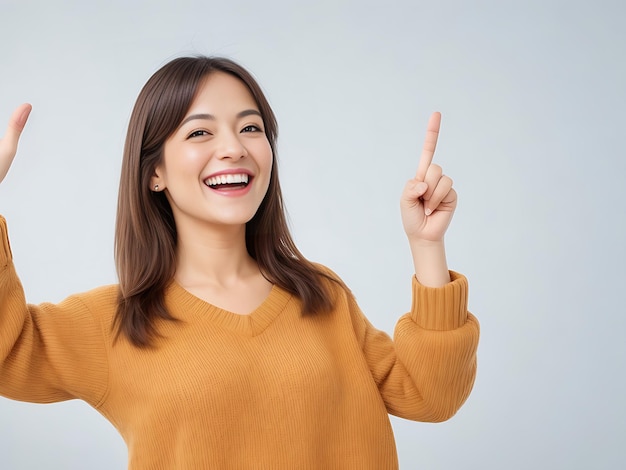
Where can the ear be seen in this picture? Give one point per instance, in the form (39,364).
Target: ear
(157,182)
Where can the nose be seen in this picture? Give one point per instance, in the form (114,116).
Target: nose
(230,146)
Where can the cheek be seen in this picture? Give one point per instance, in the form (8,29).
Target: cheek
(192,155)
(187,162)
(266,158)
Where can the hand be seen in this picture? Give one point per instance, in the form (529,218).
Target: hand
(8,144)
(428,200)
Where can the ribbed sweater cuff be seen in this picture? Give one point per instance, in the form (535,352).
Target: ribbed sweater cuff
(440,308)
(5,248)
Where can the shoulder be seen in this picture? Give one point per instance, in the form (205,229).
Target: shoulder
(329,274)
(334,283)
(101,301)
(326,271)
(102,294)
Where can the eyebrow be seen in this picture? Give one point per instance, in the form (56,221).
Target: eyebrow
(210,117)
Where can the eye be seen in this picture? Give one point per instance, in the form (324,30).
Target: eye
(251,128)
(197,133)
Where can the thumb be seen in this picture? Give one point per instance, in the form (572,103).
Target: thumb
(8,144)
(16,124)
(413,190)
(420,188)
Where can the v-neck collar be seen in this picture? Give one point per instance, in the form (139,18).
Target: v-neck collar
(183,303)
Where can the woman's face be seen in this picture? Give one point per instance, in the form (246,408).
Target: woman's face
(216,166)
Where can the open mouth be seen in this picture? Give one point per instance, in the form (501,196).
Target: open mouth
(228,182)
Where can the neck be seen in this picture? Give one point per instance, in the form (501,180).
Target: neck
(214,256)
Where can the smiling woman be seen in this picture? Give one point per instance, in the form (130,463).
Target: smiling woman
(195,119)
(222,346)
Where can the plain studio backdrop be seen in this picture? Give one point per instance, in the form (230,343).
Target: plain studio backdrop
(533,101)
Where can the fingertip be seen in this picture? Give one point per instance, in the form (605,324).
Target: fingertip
(421,187)
(20,116)
(23,117)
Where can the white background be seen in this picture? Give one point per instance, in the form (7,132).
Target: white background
(533,97)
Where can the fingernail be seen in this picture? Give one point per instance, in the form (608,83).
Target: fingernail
(428,212)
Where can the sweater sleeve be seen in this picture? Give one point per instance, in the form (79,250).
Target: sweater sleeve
(48,352)
(427,372)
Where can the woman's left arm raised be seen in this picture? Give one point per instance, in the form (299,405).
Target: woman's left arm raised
(427,206)
(427,371)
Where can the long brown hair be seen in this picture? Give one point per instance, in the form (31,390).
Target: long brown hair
(145,232)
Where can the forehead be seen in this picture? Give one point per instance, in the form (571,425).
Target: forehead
(222,91)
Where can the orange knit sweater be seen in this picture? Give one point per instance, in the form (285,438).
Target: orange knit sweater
(269,390)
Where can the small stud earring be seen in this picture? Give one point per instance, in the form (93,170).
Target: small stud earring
(156,187)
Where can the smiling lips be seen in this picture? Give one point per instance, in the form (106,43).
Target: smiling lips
(228,182)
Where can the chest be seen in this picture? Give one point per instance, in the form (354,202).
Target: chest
(205,374)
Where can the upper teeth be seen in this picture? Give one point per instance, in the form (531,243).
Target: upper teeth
(227,179)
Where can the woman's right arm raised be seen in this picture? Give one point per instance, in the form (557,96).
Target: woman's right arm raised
(8,144)
(48,352)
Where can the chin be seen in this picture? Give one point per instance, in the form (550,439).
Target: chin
(234,219)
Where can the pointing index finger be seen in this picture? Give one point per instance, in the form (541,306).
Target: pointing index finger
(430,143)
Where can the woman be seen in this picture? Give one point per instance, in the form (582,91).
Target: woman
(222,347)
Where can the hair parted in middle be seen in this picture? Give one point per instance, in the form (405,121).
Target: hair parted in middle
(145,232)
